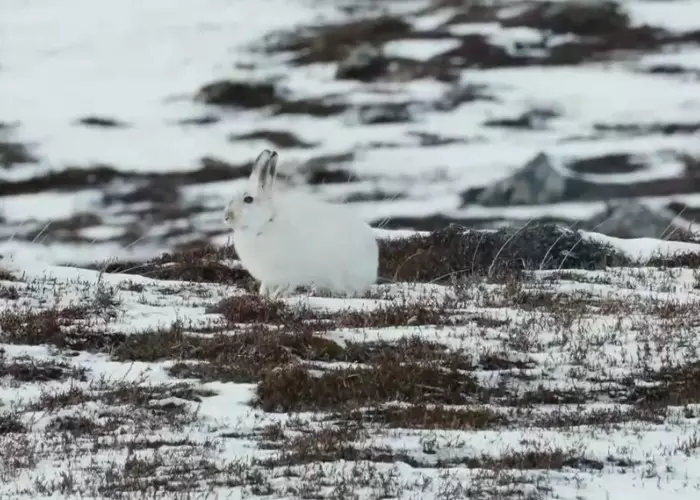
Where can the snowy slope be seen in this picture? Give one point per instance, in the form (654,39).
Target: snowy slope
(156,165)
(568,384)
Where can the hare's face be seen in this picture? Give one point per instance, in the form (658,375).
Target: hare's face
(248,212)
(254,207)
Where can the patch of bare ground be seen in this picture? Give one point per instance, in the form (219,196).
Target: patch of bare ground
(126,406)
(508,349)
(103,420)
(426,310)
(423,416)
(177,468)
(688,259)
(245,355)
(455,252)
(407,380)
(434,417)
(19,449)
(71,327)
(10,423)
(200,264)
(28,369)
(333,443)
(9,293)
(599,32)
(672,385)
(6,275)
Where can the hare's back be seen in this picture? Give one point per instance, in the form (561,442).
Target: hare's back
(329,231)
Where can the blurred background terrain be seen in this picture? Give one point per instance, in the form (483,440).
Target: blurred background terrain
(125,127)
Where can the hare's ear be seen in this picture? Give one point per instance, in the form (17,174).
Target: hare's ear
(264,170)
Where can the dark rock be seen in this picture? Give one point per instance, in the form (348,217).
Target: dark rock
(429,140)
(72,178)
(535,119)
(677,207)
(156,191)
(240,94)
(459,94)
(631,219)
(475,51)
(67,229)
(692,165)
(101,121)
(324,170)
(279,138)
(15,153)
(645,129)
(374,195)
(471,195)
(541,182)
(214,170)
(200,120)
(405,70)
(580,17)
(372,114)
(313,107)
(365,63)
(471,12)
(689,213)
(538,182)
(668,69)
(602,28)
(337,176)
(331,43)
(619,163)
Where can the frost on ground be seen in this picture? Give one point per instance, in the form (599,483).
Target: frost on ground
(410,110)
(538,364)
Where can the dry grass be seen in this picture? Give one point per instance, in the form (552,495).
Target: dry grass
(469,359)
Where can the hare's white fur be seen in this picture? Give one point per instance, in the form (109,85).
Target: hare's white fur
(287,239)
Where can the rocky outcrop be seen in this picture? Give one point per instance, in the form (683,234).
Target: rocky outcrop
(240,94)
(278,138)
(392,112)
(365,63)
(538,182)
(632,219)
(14,153)
(542,181)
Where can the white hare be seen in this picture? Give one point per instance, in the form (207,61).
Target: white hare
(287,239)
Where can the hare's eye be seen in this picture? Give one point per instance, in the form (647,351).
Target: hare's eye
(248,199)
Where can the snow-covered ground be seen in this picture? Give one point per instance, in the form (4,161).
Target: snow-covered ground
(564,384)
(169,379)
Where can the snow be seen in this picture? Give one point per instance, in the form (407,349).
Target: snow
(419,49)
(645,248)
(657,447)
(687,58)
(141,63)
(676,15)
(585,94)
